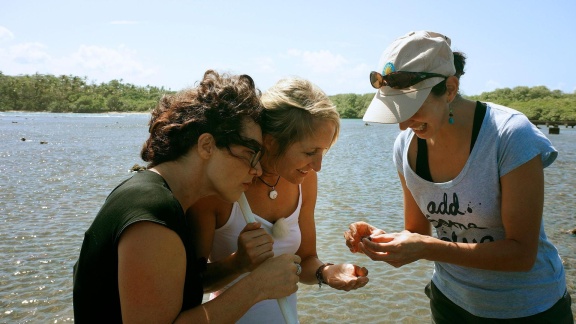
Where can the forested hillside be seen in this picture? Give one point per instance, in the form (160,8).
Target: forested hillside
(538,103)
(42,92)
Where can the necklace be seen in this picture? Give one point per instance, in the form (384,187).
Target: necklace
(273,193)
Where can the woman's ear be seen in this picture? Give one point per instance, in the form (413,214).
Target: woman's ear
(452,86)
(269,143)
(206,145)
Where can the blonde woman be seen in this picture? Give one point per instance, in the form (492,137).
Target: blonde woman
(299,125)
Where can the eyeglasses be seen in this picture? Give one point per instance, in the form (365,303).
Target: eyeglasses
(400,79)
(251,144)
(256,156)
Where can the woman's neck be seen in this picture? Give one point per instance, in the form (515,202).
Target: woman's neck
(179,176)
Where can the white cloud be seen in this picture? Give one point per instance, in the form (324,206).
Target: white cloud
(106,63)
(101,64)
(5,34)
(28,53)
(320,61)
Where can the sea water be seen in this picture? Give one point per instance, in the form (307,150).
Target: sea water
(57,169)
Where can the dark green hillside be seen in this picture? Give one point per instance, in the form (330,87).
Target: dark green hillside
(44,92)
(537,103)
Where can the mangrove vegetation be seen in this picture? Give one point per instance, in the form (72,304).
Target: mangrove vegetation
(67,93)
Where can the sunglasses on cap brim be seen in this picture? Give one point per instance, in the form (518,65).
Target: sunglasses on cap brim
(400,79)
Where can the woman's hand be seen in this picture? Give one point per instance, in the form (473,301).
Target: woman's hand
(254,247)
(396,249)
(357,232)
(277,277)
(345,276)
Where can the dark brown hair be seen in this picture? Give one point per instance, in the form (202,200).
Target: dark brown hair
(217,105)
(459,62)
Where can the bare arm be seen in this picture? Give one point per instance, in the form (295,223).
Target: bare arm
(275,278)
(339,276)
(254,244)
(307,249)
(522,205)
(414,219)
(151,274)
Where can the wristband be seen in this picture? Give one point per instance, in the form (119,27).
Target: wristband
(319,276)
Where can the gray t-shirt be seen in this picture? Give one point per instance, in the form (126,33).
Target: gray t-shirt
(467,210)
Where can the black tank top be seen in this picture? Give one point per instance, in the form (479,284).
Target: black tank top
(143,197)
(422,166)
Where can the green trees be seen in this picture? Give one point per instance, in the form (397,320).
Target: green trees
(352,105)
(42,92)
(537,103)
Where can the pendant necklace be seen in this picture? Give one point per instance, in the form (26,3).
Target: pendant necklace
(273,193)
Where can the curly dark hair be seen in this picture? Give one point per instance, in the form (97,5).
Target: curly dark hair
(216,105)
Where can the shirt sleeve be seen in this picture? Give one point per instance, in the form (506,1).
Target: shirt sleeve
(521,141)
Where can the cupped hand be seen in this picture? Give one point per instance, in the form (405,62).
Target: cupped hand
(276,277)
(254,247)
(345,276)
(396,249)
(357,231)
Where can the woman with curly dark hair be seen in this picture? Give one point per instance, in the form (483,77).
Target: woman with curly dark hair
(137,263)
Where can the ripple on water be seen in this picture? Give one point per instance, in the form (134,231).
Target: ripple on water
(49,194)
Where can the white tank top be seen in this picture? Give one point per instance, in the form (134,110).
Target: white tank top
(225,243)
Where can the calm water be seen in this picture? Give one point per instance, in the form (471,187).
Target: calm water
(49,194)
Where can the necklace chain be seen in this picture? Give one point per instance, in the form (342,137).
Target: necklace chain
(272,193)
(270,186)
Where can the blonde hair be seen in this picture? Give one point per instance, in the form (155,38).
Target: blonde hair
(292,109)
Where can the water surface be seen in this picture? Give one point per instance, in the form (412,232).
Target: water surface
(50,193)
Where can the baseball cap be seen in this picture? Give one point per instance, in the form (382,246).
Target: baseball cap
(417,51)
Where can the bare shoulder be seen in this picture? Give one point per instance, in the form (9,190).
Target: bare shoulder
(149,238)
(310,182)
(210,208)
(210,204)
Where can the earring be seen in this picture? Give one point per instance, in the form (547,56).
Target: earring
(450,114)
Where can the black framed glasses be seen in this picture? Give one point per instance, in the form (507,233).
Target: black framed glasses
(256,156)
(251,144)
(400,79)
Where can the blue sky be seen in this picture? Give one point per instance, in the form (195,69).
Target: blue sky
(335,44)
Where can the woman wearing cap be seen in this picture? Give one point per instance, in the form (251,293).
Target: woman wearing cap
(137,262)
(300,124)
(474,171)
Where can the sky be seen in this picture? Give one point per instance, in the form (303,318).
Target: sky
(335,44)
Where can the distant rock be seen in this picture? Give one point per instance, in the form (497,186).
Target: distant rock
(43,142)
(23,139)
(136,167)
